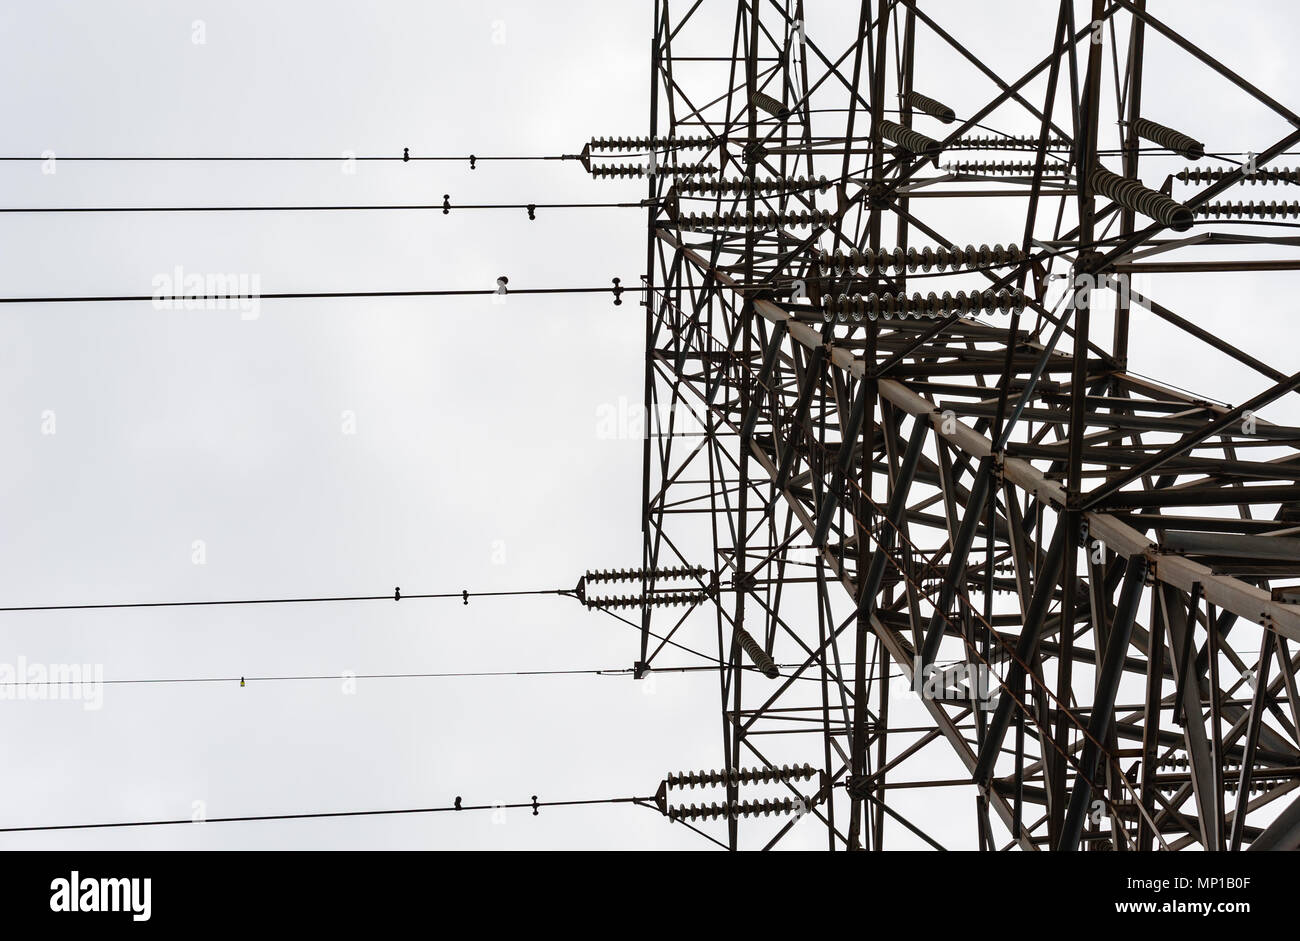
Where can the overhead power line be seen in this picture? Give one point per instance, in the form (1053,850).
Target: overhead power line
(464,595)
(616,290)
(338,158)
(446,207)
(533,805)
(614,671)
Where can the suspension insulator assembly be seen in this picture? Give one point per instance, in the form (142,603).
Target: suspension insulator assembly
(650,143)
(844,307)
(758,808)
(755,220)
(1231,765)
(1239,210)
(1001,168)
(766,665)
(1261,779)
(636,575)
(610,170)
(1231,785)
(769,104)
(926,259)
(1131,194)
(1198,175)
(1256,787)
(910,140)
(738,776)
(931,107)
(1006,142)
(1169,139)
(744,186)
(660,599)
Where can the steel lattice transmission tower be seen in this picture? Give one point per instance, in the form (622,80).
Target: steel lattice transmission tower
(995,588)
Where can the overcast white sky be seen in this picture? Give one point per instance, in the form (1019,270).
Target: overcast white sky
(476,424)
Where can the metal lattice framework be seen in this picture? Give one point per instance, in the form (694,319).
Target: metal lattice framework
(995,587)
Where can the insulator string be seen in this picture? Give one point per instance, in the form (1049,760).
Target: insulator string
(941,258)
(930,306)
(1273,175)
(738,776)
(636,574)
(1131,194)
(741,219)
(1262,210)
(758,808)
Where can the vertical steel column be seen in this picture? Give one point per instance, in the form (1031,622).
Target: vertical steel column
(1103,706)
(867,396)
(647,552)
(1086,157)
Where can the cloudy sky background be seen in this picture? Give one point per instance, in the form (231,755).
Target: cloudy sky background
(476,424)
